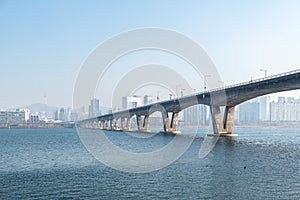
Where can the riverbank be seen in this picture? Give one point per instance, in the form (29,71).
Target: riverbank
(37,125)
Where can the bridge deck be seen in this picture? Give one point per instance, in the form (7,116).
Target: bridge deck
(225,96)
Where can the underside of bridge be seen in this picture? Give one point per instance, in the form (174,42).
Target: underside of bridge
(124,123)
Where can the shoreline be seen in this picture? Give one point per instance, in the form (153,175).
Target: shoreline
(37,125)
(72,125)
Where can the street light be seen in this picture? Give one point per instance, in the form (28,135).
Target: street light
(264,70)
(157,98)
(182,92)
(205,76)
(177,90)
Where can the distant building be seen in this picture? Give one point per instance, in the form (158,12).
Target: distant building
(74,116)
(131,102)
(94,108)
(290,100)
(61,115)
(277,111)
(34,118)
(264,108)
(281,99)
(249,112)
(285,111)
(56,115)
(148,100)
(195,115)
(16,116)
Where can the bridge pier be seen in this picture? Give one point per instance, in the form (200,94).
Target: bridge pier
(170,127)
(107,125)
(143,124)
(125,123)
(116,124)
(222,125)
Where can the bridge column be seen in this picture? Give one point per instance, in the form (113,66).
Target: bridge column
(98,124)
(101,124)
(128,122)
(125,123)
(107,124)
(143,124)
(170,127)
(110,124)
(146,122)
(116,124)
(174,121)
(222,124)
(228,118)
(95,124)
(166,121)
(139,122)
(216,117)
(89,125)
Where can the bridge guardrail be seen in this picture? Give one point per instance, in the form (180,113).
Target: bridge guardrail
(238,84)
(255,80)
(233,85)
(222,88)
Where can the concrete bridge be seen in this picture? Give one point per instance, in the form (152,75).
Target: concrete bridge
(222,122)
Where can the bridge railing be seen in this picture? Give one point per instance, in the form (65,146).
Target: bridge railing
(254,81)
(222,88)
(231,86)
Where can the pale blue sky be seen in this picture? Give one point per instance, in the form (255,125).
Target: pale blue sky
(43,43)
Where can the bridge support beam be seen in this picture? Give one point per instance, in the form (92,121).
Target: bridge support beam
(146,122)
(228,118)
(222,125)
(170,127)
(107,124)
(125,123)
(99,124)
(116,124)
(95,124)
(174,121)
(142,125)
(110,124)
(128,123)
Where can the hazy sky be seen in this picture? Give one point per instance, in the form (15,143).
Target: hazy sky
(44,43)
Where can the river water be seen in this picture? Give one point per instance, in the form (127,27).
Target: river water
(263,163)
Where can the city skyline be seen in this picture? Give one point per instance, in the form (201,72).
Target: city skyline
(39,64)
(253,112)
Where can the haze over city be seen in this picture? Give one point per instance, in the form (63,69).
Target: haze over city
(44,43)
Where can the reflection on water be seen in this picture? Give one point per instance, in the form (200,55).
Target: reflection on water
(261,163)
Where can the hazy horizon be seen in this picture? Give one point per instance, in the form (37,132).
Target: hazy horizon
(44,43)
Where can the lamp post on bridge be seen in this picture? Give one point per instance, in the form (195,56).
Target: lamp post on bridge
(157,97)
(205,76)
(264,70)
(182,92)
(177,86)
